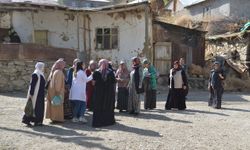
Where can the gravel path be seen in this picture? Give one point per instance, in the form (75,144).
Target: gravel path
(199,127)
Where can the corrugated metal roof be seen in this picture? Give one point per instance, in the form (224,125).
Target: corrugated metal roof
(195,3)
(120,6)
(25,4)
(184,2)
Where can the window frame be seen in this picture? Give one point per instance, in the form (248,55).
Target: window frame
(47,37)
(206,12)
(111,35)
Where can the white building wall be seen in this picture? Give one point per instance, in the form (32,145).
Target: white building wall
(218,10)
(131,36)
(57,24)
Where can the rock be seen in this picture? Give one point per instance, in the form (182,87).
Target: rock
(26,78)
(12,78)
(19,63)
(18,83)
(11,63)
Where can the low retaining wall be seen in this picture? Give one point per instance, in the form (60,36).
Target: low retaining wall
(194,83)
(16,75)
(17,63)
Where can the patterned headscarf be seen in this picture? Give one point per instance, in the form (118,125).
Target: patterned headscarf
(103,68)
(58,65)
(93,64)
(122,70)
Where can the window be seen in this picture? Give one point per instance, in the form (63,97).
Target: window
(206,12)
(106,38)
(41,37)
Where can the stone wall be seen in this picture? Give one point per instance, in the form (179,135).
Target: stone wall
(198,83)
(193,82)
(225,47)
(16,75)
(17,63)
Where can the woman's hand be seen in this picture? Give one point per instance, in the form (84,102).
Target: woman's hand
(221,76)
(184,87)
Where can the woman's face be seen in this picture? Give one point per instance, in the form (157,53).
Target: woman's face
(122,66)
(175,66)
(216,66)
(146,65)
(182,62)
(83,66)
(93,66)
(43,69)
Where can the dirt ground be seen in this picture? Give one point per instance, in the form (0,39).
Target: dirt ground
(199,127)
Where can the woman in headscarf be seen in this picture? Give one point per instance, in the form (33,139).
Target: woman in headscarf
(122,77)
(177,86)
(56,89)
(104,95)
(149,74)
(135,87)
(36,94)
(90,87)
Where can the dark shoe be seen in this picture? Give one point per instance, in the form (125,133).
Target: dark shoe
(217,107)
(27,123)
(136,113)
(131,112)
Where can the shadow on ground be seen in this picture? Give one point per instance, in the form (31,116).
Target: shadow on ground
(62,135)
(146,115)
(203,96)
(15,94)
(188,112)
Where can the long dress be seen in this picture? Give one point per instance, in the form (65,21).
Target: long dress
(150,87)
(103,99)
(216,88)
(176,96)
(135,84)
(89,91)
(122,96)
(56,88)
(67,108)
(39,99)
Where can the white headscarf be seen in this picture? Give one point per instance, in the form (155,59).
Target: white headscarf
(39,68)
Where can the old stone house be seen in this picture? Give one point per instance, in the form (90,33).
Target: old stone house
(120,32)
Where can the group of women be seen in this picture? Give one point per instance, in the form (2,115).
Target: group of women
(94,88)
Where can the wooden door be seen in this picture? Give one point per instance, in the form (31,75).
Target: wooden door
(163,57)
